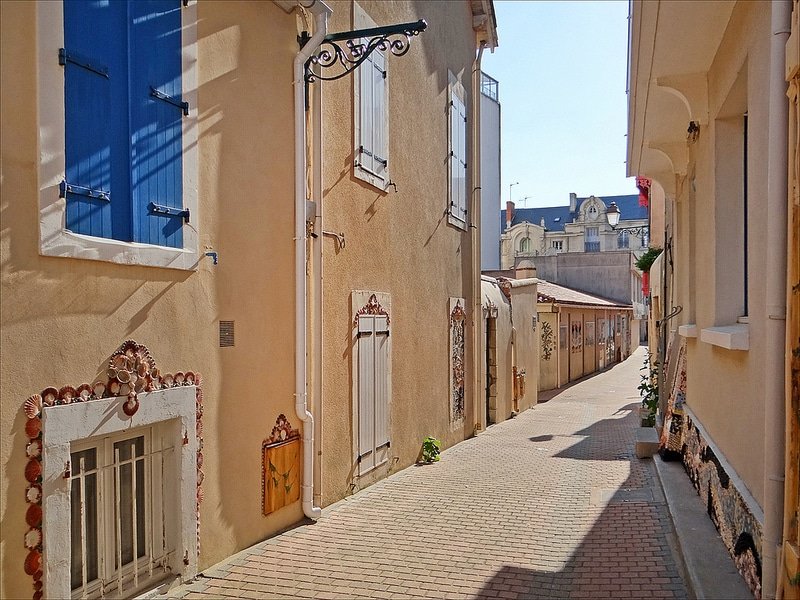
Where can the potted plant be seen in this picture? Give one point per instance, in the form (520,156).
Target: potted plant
(431,449)
(648,390)
(643,263)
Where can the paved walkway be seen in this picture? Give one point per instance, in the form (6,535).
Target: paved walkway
(551,504)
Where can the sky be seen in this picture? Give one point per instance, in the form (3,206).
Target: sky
(562,71)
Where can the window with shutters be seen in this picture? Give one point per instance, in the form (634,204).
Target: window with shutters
(118,106)
(372,380)
(371,91)
(457,161)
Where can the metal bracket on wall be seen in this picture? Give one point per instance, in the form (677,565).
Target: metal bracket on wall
(393,38)
(168,211)
(340,241)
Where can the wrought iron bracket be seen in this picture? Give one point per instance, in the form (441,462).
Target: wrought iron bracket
(639,232)
(342,59)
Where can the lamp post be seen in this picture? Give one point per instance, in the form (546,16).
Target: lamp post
(509,190)
(613,215)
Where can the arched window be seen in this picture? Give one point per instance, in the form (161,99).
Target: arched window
(525,245)
(623,240)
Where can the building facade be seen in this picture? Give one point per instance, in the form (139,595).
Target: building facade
(709,123)
(490,172)
(161,274)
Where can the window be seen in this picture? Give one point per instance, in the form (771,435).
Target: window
(117,540)
(117,114)
(592,243)
(372,379)
(458,158)
(525,245)
(557,244)
(372,112)
(623,240)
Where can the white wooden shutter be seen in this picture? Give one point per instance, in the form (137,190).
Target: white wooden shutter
(373,101)
(381,385)
(367,111)
(458,158)
(366,393)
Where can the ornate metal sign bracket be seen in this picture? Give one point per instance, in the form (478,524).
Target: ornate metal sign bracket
(358,45)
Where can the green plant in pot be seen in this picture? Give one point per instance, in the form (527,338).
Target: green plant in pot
(648,390)
(431,448)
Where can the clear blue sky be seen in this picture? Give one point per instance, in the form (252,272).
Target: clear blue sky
(561,68)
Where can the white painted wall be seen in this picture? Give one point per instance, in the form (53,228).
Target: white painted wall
(490,183)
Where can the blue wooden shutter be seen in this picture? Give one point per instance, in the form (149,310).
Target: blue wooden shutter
(156,111)
(94,57)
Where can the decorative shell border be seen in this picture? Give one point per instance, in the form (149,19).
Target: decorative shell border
(131,370)
(282,432)
(372,307)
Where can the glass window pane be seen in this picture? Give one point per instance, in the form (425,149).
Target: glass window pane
(90,517)
(125,512)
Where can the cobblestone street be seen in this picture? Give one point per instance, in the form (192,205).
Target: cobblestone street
(551,504)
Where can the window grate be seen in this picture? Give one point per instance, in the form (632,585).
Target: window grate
(226,334)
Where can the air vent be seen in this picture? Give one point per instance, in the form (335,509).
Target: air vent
(226,334)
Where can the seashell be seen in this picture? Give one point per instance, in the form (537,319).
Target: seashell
(33,562)
(38,585)
(33,470)
(33,494)
(200,495)
(141,383)
(155,373)
(33,516)
(142,369)
(130,406)
(33,427)
(83,393)
(111,373)
(124,389)
(33,406)
(199,460)
(200,477)
(189,378)
(179,378)
(34,449)
(67,394)
(33,538)
(37,595)
(123,376)
(168,380)
(119,361)
(130,362)
(113,388)
(98,389)
(199,429)
(37,577)
(49,396)
(198,379)
(152,386)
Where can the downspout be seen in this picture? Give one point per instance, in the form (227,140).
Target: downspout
(475,220)
(774,409)
(321,12)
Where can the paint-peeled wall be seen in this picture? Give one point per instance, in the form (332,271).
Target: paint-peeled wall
(63,317)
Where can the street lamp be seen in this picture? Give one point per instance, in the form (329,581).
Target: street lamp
(613,216)
(509,190)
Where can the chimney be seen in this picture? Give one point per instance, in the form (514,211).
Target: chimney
(524,269)
(573,202)
(509,214)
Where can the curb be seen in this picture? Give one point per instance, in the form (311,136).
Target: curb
(710,571)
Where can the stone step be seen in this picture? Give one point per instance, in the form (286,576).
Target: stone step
(646,442)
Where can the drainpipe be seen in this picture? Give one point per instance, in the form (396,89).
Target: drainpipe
(475,219)
(774,408)
(321,12)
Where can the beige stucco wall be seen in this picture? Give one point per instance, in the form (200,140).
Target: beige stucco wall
(725,387)
(496,303)
(526,337)
(62,318)
(398,242)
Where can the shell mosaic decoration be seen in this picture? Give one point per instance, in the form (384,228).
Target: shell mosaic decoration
(457,321)
(131,370)
(548,343)
(372,307)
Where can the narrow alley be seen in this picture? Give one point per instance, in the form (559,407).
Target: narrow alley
(551,504)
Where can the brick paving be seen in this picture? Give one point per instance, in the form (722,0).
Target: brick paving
(551,504)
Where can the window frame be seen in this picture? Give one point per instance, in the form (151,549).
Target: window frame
(68,426)
(54,238)
(459,205)
(361,20)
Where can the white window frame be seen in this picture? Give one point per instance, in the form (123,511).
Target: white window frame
(153,438)
(54,238)
(370,147)
(380,455)
(66,427)
(457,162)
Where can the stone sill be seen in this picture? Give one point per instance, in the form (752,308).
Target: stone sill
(688,331)
(732,337)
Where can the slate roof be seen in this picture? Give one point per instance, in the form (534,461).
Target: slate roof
(556,216)
(551,292)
